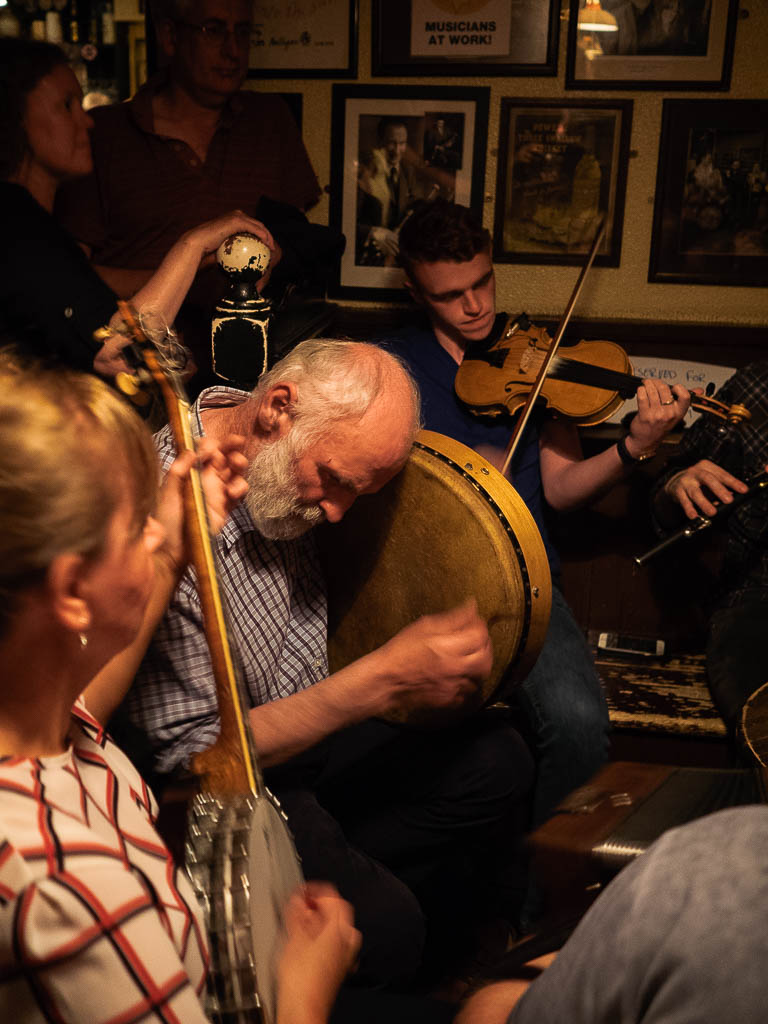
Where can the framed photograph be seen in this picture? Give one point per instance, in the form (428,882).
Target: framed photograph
(654,44)
(304,40)
(391,146)
(562,171)
(484,37)
(710,219)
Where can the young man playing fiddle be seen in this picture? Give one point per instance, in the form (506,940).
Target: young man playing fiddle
(446,254)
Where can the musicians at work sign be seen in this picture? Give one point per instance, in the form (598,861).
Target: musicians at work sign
(469,29)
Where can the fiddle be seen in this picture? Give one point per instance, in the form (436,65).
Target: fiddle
(587,385)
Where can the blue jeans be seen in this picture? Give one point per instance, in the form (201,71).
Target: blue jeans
(420,830)
(565,711)
(737,657)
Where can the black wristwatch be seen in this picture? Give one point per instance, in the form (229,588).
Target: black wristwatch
(631,460)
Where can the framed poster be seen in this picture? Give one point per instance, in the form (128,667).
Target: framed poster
(710,219)
(304,39)
(562,170)
(623,44)
(482,37)
(390,146)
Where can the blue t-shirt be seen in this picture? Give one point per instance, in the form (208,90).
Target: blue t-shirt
(435,372)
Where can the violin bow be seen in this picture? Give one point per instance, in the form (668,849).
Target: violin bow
(525,413)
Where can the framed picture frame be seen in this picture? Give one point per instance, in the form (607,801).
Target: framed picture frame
(710,218)
(496,37)
(392,145)
(317,40)
(613,44)
(562,171)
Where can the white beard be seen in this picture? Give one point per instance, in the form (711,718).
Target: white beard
(273,495)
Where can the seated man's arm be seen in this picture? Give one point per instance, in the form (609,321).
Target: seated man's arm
(492,1003)
(436,662)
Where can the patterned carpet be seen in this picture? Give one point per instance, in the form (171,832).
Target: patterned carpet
(661,695)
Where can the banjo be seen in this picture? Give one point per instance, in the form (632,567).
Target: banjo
(239,853)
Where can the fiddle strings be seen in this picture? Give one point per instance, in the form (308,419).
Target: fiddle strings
(574,371)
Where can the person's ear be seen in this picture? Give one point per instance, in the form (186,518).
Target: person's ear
(275,412)
(167,38)
(64,583)
(413,291)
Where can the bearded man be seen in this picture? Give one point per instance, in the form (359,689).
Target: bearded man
(391,816)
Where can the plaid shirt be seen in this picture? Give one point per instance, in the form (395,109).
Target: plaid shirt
(743,451)
(275,596)
(96,923)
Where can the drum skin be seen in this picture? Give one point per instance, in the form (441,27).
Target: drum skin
(447,528)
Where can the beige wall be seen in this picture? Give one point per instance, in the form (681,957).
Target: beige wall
(608,292)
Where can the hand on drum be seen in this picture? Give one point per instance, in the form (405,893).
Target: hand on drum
(439,660)
(321,946)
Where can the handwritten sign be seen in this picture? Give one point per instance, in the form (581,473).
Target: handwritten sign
(302,34)
(464,28)
(676,371)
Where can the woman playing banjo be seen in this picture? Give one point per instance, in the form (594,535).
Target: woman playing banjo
(96,922)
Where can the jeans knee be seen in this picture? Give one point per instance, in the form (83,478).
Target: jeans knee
(505,771)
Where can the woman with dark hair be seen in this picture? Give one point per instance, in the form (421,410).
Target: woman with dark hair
(50,297)
(96,922)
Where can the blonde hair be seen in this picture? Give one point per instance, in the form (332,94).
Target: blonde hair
(70,448)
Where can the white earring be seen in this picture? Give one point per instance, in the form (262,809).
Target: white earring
(83,640)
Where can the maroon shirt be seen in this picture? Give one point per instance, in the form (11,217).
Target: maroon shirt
(146,189)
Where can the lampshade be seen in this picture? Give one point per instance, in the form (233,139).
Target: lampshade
(592,18)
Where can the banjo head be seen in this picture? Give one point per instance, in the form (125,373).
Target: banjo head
(447,528)
(243,866)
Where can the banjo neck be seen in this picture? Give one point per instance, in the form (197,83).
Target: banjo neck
(238,850)
(229,767)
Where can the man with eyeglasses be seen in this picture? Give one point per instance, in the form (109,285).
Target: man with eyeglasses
(189,146)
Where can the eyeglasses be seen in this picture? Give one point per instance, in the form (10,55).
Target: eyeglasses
(216,32)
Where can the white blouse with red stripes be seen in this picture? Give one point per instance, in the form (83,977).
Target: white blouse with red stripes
(96,922)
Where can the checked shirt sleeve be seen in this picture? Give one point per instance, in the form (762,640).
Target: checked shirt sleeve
(174,700)
(97,952)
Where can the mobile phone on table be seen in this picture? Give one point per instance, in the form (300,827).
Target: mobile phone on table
(625,643)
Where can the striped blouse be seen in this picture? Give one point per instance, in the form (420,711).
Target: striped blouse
(96,922)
